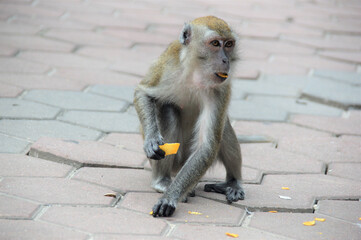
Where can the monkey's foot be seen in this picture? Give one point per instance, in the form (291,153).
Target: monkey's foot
(232,189)
(162,184)
(164,207)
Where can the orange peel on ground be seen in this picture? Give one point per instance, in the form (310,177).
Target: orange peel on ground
(170,148)
(285,188)
(232,235)
(194,213)
(320,219)
(310,223)
(272,211)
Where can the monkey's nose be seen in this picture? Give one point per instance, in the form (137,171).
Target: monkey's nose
(225,60)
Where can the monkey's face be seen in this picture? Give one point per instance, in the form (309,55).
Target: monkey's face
(215,58)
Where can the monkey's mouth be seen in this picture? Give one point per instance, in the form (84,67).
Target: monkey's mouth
(222,76)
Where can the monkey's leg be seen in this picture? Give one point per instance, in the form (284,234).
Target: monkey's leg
(168,118)
(230,155)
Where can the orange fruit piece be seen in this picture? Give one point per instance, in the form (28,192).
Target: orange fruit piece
(310,223)
(272,211)
(232,235)
(195,213)
(170,148)
(285,188)
(320,219)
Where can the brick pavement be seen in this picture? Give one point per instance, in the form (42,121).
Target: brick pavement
(69,132)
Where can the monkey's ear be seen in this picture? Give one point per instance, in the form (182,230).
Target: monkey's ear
(186,33)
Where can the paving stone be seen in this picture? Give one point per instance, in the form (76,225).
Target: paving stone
(55,190)
(352,57)
(296,81)
(295,106)
(133,142)
(37,81)
(125,93)
(346,77)
(7,90)
(290,225)
(320,43)
(63,60)
(218,173)
(304,190)
(326,149)
(217,213)
(123,180)
(345,210)
(14,208)
(104,220)
(15,229)
(279,47)
(34,129)
(245,110)
(85,153)
(90,76)
(24,42)
(332,92)
(16,65)
(84,37)
(104,121)
(270,68)
(75,100)
(19,109)
(345,170)
(185,231)
(276,130)
(128,236)
(12,145)
(313,62)
(347,124)
(29,10)
(17,165)
(107,20)
(263,88)
(136,67)
(272,160)
(7,51)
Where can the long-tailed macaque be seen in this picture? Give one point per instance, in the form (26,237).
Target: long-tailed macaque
(184,98)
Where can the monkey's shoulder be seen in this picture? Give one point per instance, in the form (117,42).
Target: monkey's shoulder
(168,59)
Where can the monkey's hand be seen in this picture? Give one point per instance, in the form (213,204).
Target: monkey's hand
(151,148)
(164,208)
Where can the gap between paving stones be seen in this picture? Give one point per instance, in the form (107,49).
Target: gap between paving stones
(329,102)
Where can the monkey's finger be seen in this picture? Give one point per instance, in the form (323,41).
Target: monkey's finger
(169,211)
(156,209)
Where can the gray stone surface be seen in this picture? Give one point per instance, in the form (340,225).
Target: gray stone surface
(12,145)
(346,77)
(17,109)
(122,180)
(87,153)
(296,106)
(264,88)
(28,230)
(345,170)
(17,165)
(104,220)
(125,93)
(345,210)
(337,93)
(291,225)
(49,190)
(75,100)
(33,129)
(245,110)
(294,81)
(13,208)
(103,121)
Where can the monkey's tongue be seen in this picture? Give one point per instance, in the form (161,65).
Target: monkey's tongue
(222,75)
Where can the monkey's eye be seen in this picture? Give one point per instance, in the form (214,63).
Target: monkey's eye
(215,43)
(229,44)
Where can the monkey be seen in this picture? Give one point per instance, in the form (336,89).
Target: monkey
(184,98)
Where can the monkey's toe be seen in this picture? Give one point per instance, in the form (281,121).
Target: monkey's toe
(234,194)
(164,208)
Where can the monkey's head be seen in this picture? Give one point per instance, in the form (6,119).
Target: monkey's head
(209,45)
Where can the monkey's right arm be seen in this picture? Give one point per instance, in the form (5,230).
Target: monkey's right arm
(146,108)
